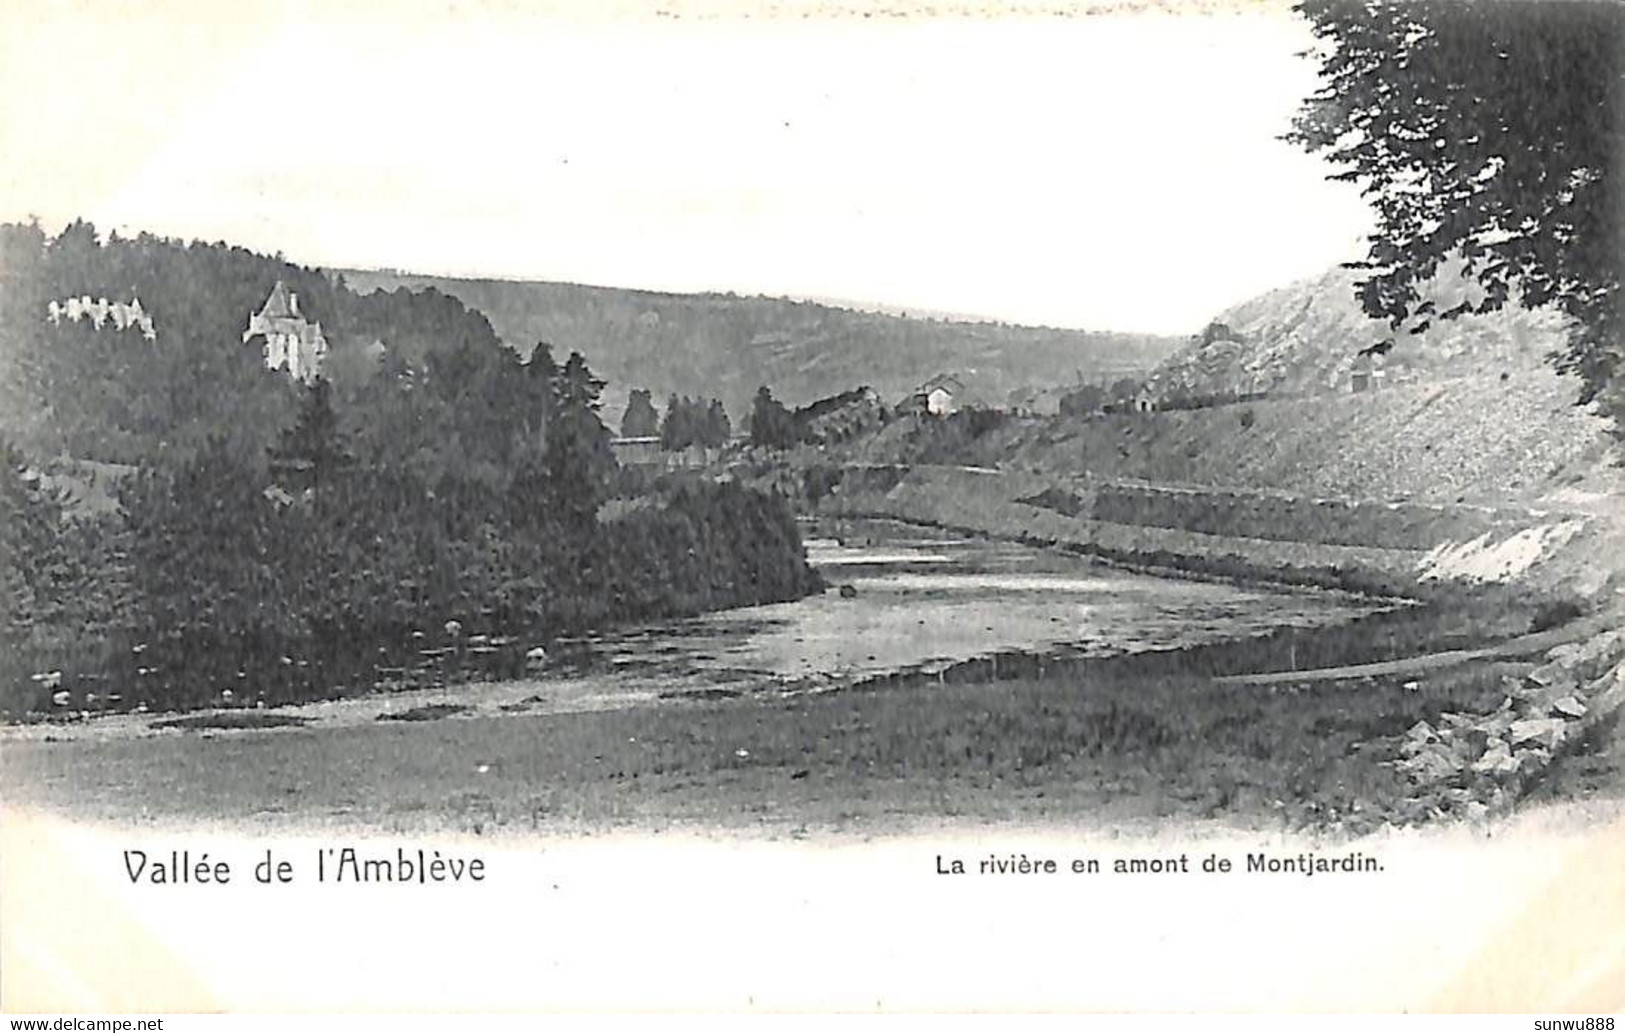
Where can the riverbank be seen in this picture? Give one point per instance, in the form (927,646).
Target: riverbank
(1120,742)
(686,727)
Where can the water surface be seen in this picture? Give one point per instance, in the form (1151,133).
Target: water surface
(911,601)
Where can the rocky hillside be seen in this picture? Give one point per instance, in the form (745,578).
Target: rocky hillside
(724,346)
(1304,339)
(1474,438)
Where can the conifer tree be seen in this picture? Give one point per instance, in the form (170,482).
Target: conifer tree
(640,419)
(578,461)
(314,450)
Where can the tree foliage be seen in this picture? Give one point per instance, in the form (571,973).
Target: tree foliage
(579,461)
(717,427)
(1084,399)
(691,421)
(771,424)
(31,517)
(1488,132)
(315,448)
(301,599)
(640,419)
(1123,389)
(64,584)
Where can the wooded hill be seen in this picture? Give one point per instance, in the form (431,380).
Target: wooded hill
(419,378)
(291,538)
(726,346)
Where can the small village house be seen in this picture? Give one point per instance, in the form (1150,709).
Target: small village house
(1367,373)
(938,396)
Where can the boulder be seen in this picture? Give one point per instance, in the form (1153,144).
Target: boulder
(1420,734)
(1496,725)
(1547,732)
(1564,654)
(1597,654)
(1551,675)
(1534,758)
(1431,764)
(1457,722)
(1569,706)
(1521,690)
(1497,759)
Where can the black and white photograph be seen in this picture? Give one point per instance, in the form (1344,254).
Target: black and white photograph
(801,506)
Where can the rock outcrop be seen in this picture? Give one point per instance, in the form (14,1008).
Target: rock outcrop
(1307,339)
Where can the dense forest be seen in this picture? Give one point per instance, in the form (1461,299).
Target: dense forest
(274,539)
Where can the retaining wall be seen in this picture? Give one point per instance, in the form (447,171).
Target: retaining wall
(1401,549)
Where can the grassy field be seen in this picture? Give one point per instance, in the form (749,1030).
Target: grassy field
(1124,741)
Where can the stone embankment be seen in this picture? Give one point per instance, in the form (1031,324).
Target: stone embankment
(1398,549)
(1477,764)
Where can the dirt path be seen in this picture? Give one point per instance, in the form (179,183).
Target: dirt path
(1574,631)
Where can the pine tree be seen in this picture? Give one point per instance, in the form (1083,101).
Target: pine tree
(674,429)
(578,462)
(640,419)
(717,426)
(314,450)
(771,425)
(541,393)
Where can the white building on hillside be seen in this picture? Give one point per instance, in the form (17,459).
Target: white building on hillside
(289,341)
(124,315)
(937,396)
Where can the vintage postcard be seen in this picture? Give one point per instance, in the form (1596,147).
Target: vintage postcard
(798,506)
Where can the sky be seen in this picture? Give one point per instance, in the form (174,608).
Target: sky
(1115,169)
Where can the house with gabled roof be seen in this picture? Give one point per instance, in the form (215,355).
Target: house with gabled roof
(937,396)
(288,340)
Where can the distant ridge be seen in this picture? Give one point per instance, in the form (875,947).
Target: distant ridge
(882,308)
(723,345)
(879,308)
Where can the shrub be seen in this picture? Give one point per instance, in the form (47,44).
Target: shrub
(1554,614)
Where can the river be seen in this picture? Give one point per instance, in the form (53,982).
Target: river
(913,600)
(928,600)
